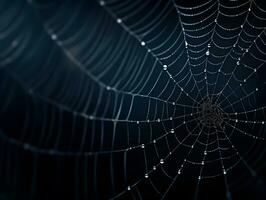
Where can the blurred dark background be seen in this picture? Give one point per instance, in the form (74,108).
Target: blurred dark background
(59,120)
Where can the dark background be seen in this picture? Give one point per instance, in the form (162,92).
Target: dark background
(46,104)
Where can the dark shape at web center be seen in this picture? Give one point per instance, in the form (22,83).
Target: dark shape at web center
(210,114)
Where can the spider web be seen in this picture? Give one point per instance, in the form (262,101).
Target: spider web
(132,99)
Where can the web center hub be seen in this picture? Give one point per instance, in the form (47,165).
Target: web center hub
(210,114)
